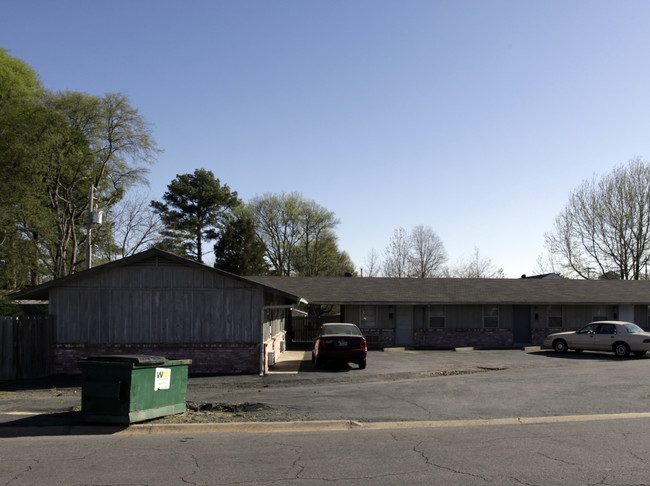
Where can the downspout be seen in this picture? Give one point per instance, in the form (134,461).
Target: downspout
(271,307)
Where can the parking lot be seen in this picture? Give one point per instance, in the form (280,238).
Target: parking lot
(399,385)
(443,385)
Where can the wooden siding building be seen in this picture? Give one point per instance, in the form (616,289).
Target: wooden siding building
(161,304)
(158,303)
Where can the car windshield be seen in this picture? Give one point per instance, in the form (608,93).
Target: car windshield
(334,330)
(632,328)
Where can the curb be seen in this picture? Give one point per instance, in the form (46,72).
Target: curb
(246,427)
(305,426)
(149,429)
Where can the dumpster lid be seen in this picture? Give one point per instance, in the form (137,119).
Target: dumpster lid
(127,358)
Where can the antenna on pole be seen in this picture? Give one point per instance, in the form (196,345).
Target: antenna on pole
(94,217)
(89,228)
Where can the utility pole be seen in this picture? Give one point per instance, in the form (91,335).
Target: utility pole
(94,217)
(89,228)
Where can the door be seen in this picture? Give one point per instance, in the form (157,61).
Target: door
(583,338)
(521,324)
(605,337)
(404,325)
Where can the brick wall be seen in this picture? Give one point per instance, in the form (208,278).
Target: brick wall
(206,358)
(537,336)
(452,338)
(445,338)
(379,338)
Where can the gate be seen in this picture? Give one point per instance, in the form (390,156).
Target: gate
(26,346)
(305,328)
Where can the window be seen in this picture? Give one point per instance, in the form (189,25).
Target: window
(437,315)
(491,316)
(368,316)
(599,314)
(555,316)
(607,329)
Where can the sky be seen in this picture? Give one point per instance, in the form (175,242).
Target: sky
(475,118)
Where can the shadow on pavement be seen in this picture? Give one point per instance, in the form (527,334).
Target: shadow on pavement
(52,424)
(584,356)
(46,383)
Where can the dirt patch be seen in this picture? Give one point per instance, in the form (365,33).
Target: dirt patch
(198,412)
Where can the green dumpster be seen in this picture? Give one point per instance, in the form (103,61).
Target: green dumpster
(124,389)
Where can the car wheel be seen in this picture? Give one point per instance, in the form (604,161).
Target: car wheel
(362,365)
(621,350)
(639,354)
(560,346)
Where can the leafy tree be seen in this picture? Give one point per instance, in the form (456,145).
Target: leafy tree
(344,266)
(277,219)
(53,148)
(19,88)
(195,207)
(317,253)
(18,81)
(331,261)
(299,236)
(86,141)
(239,250)
(605,226)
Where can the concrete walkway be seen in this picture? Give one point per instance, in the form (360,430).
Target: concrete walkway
(290,362)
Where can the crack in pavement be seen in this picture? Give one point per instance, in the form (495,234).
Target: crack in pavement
(557,459)
(296,463)
(27,469)
(429,462)
(193,473)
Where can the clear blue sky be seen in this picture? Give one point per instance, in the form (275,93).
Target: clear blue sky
(477,118)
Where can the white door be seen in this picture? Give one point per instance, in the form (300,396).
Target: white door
(404,325)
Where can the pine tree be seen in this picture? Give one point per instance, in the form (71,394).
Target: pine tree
(239,250)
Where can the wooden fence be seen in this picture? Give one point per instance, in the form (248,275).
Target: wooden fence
(26,346)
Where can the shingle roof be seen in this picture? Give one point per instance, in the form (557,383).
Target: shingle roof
(153,257)
(352,290)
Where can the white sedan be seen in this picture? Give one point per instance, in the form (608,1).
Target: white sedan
(615,336)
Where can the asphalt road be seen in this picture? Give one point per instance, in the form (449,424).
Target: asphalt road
(614,452)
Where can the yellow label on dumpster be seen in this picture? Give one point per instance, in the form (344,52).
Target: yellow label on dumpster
(163,379)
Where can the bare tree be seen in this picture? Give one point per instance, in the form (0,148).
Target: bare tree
(426,252)
(546,264)
(135,226)
(605,226)
(372,264)
(476,267)
(419,254)
(396,261)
